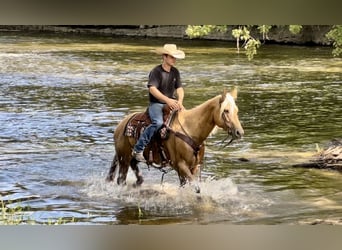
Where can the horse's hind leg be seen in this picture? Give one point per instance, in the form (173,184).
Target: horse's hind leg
(122,173)
(111,174)
(136,170)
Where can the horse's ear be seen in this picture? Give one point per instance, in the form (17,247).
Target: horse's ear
(223,96)
(234,93)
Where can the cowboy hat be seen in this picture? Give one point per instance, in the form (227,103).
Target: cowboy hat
(171,49)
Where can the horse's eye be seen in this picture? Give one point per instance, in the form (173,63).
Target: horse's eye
(226,111)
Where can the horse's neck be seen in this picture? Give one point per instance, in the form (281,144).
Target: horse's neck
(198,122)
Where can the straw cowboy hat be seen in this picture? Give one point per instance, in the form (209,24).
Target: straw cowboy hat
(171,49)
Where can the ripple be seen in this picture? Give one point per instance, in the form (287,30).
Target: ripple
(61,99)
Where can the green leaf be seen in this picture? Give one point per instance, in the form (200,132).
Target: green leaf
(335,35)
(295,29)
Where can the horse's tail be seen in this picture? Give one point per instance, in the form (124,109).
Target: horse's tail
(121,144)
(112,170)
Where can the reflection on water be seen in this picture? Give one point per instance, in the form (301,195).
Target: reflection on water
(61,98)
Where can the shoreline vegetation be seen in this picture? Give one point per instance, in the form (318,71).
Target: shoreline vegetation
(248,37)
(18,216)
(309,35)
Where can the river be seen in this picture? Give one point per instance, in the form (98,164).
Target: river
(61,97)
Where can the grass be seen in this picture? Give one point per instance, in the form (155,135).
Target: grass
(11,216)
(16,216)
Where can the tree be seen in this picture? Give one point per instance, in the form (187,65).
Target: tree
(251,44)
(335,35)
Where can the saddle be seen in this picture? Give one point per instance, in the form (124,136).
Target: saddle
(138,122)
(154,150)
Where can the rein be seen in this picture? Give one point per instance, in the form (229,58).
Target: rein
(187,138)
(227,123)
(224,140)
(189,141)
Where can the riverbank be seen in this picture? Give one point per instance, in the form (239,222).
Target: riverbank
(310,34)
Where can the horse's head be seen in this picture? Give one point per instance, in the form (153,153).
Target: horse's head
(227,118)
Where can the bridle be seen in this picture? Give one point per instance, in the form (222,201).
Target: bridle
(229,126)
(227,122)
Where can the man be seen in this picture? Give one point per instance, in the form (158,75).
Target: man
(164,81)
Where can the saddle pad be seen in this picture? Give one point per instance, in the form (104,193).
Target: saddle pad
(140,121)
(137,124)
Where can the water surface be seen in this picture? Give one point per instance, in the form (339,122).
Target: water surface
(63,95)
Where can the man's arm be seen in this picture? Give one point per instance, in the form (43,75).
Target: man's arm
(173,104)
(180,95)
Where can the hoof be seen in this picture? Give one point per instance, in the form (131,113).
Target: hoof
(196,187)
(109,178)
(137,184)
(140,181)
(121,182)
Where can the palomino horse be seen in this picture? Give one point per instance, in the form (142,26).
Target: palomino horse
(184,145)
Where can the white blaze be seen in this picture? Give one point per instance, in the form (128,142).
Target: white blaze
(229,100)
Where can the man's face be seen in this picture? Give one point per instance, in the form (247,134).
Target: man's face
(170,60)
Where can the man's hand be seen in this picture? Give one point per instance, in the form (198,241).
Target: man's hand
(174,104)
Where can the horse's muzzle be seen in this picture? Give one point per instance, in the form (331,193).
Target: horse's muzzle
(233,129)
(236,133)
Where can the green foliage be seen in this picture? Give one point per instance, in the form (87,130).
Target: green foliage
(60,221)
(15,216)
(11,216)
(295,29)
(264,29)
(250,43)
(195,31)
(335,35)
(241,33)
(251,48)
(140,213)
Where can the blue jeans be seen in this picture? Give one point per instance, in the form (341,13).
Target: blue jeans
(155,111)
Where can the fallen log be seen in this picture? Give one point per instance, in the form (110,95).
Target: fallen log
(328,158)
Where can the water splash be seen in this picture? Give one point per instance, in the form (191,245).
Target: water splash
(219,200)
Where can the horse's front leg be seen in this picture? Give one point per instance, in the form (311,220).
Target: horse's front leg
(182,180)
(185,173)
(136,170)
(196,172)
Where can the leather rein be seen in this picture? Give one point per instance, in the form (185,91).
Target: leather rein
(186,138)
(191,142)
